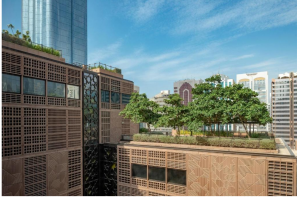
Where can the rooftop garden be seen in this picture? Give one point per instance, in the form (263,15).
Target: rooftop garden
(26,41)
(254,143)
(105,67)
(212,106)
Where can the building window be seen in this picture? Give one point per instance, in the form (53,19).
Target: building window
(139,171)
(115,97)
(33,86)
(176,176)
(11,83)
(104,96)
(229,83)
(73,91)
(125,98)
(56,89)
(156,173)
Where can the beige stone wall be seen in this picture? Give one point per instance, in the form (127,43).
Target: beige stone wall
(207,173)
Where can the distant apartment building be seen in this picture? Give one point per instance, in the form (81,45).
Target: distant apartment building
(57,120)
(184,89)
(136,89)
(257,82)
(159,99)
(284,107)
(58,24)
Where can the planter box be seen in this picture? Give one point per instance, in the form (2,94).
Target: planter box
(207,147)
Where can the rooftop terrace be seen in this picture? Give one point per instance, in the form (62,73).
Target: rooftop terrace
(264,146)
(39,47)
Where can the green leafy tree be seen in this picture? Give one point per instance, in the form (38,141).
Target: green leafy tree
(209,104)
(140,109)
(11,27)
(174,113)
(243,106)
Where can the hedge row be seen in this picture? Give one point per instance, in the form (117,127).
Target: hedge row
(214,141)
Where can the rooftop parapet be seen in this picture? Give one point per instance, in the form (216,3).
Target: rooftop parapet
(105,69)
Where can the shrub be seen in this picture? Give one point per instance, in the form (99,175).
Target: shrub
(143,130)
(267,144)
(156,133)
(215,141)
(225,142)
(255,135)
(202,141)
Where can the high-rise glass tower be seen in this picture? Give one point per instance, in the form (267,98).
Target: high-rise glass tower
(61,24)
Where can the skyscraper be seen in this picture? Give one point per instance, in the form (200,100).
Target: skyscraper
(58,24)
(284,107)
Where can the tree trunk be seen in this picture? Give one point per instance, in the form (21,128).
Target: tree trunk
(149,127)
(250,128)
(245,127)
(178,131)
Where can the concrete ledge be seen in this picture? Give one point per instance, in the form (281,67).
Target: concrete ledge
(247,150)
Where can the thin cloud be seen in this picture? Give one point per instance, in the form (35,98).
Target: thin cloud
(261,64)
(245,16)
(101,54)
(142,11)
(242,57)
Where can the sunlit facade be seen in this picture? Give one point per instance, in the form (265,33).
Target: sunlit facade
(58,24)
(257,82)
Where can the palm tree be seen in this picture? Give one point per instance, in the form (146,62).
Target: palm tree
(18,33)
(5,31)
(11,27)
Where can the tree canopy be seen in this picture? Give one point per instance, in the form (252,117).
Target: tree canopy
(173,114)
(212,104)
(141,109)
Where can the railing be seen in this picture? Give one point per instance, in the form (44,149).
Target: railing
(127,137)
(105,67)
(32,45)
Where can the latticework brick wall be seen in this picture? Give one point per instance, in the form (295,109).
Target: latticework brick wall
(207,173)
(41,134)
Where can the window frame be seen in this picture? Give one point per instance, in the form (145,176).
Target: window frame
(129,98)
(55,96)
(164,174)
(19,84)
(35,79)
(108,96)
(78,91)
(112,97)
(168,182)
(139,176)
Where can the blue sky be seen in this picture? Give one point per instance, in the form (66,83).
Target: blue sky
(158,42)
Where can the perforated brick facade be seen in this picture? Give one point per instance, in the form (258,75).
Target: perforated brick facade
(208,173)
(41,134)
(113,126)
